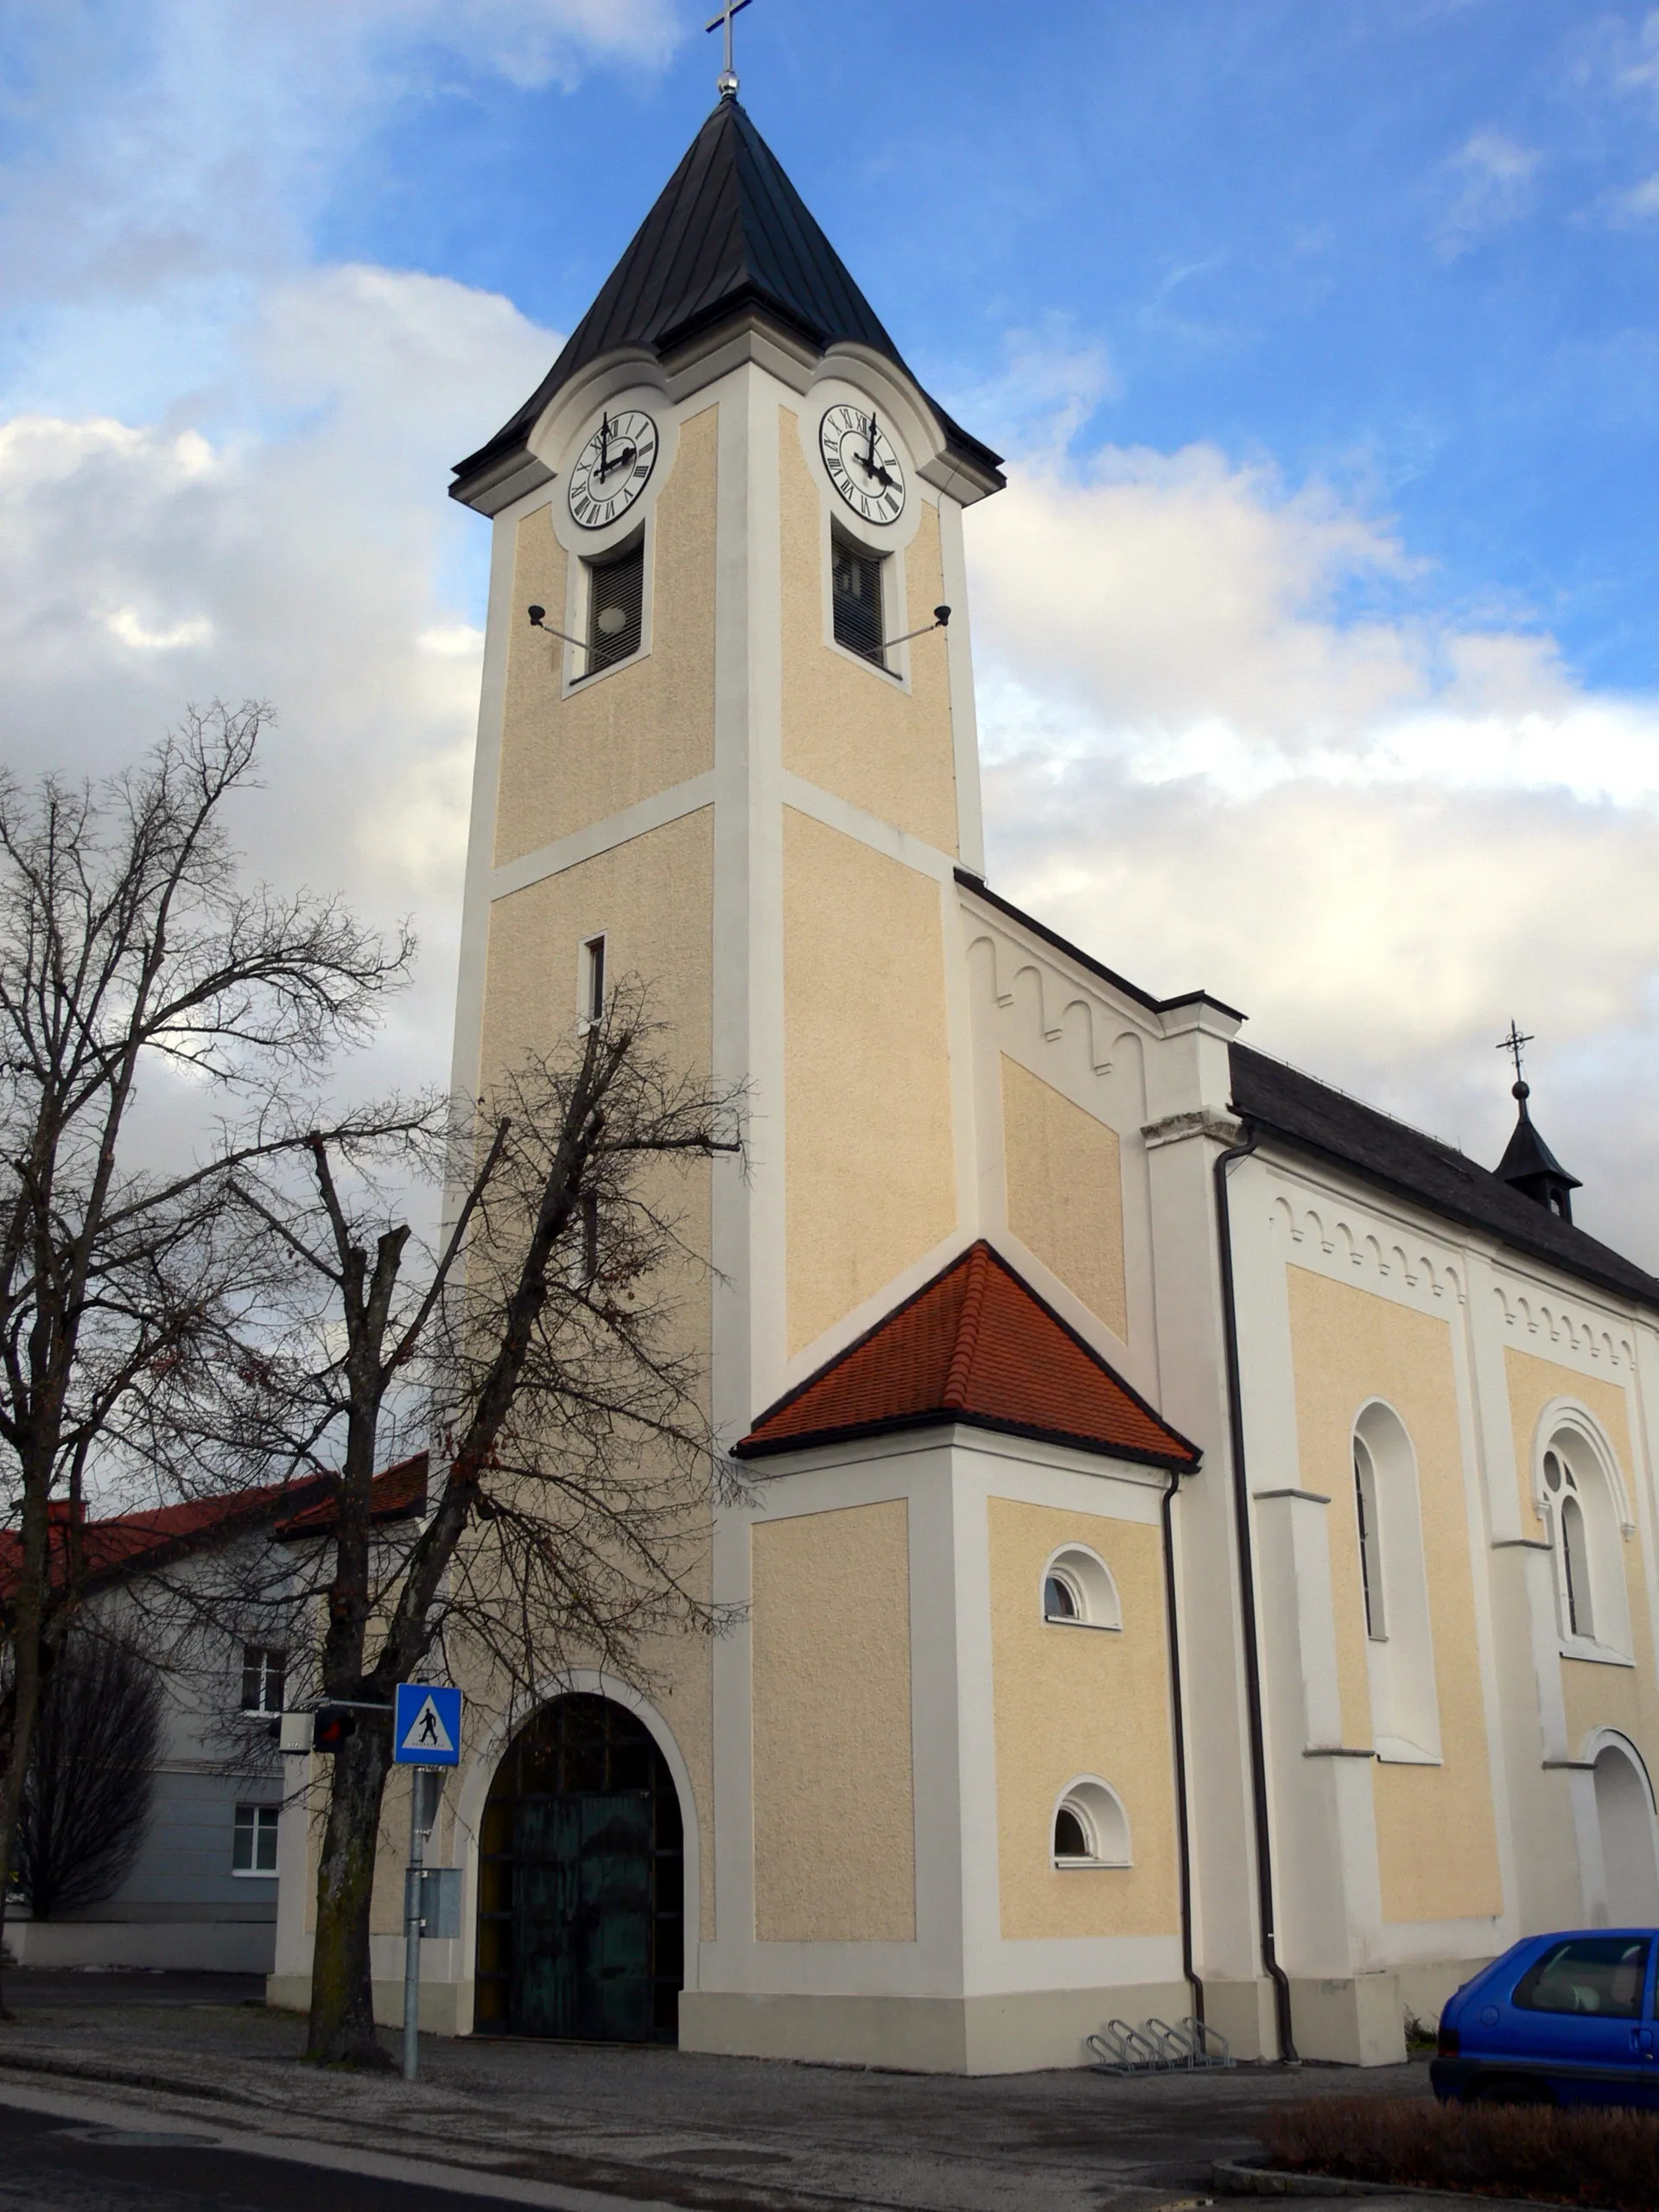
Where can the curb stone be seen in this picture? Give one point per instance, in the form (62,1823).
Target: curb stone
(1237,2177)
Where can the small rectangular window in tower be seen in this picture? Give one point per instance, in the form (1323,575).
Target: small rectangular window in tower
(616,590)
(855,586)
(592,980)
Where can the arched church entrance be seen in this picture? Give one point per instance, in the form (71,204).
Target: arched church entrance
(582,1881)
(1625,1815)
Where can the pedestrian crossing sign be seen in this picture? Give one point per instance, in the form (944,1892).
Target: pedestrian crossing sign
(426,1725)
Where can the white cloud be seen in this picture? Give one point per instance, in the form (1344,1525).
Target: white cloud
(1376,831)
(1635,203)
(319,566)
(1494,177)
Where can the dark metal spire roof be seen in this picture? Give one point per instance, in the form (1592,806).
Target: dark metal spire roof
(1531,1167)
(729,234)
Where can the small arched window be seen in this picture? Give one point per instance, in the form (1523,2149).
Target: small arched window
(1090,1827)
(1078,1591)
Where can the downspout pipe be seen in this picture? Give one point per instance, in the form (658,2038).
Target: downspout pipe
(1183,1832)
(1247,1602)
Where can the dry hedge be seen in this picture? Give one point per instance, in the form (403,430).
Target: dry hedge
(1581,2155)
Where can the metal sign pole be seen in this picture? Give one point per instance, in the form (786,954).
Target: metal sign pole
(412,1927)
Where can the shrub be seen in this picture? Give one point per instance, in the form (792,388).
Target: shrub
(1577,2155)
(86,1796)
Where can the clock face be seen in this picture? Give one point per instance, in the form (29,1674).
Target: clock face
(862,464)
(612,468)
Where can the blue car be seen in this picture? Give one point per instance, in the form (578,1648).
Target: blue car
(1562,2019)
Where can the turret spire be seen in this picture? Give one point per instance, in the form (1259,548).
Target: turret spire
(1528,1162)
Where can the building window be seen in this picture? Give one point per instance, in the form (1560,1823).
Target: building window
(592,980)
(254,1842)
(1090,1827)
(856,588)
(1371,1559)
(1581,1498)
(1394,1589)
(264,1678)
(1078,1591)
(616,591)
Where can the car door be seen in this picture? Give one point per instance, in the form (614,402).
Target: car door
(1581,2015)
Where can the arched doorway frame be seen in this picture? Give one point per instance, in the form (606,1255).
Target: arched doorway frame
(570,1681)
(1614,1739)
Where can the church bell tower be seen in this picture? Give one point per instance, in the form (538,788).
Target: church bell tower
(726,743)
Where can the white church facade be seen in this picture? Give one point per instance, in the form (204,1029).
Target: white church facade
(1200,1543)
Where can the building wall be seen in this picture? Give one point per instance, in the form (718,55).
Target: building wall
(834,1797)
(1066,1191)
(572,757)
(1351,1346)
(885,746)
(1078,1701)
(869,1159)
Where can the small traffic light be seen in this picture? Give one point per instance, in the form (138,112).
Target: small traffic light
(331,1726)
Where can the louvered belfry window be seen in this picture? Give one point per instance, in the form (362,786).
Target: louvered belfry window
(855,581)
(616,589)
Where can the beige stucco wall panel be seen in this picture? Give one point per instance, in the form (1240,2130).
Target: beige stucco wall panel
(1066,1191)
(849,729)
(1070,1701)
(835,1850)
(871,1174)
(653,899)
(1348,1346)
(568,761)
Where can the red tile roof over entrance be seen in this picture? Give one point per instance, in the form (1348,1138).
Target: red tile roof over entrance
(975,1345)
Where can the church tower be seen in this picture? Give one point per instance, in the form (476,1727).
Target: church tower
(731,748)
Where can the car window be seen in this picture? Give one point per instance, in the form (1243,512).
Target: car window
(1602,1974)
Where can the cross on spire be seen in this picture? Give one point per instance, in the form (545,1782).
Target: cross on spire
(1512,1045)
(728,86)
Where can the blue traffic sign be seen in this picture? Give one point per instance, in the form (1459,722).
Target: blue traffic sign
(426,1725)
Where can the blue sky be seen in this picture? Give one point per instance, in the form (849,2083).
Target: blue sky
(1315,632)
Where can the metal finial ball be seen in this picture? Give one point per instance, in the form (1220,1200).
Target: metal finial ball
(1520,1091)
(726,84)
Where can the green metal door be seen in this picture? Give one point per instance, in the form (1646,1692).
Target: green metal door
(582,1932)
(582,1881)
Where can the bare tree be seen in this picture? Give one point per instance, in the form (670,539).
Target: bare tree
(129,949)
(550,1336)
(86,1797)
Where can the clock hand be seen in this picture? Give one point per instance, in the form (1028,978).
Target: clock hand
(869,462)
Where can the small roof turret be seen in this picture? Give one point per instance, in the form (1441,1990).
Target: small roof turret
(1531,1167)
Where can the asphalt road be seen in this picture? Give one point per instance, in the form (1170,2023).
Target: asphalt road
(28,1986)
(52,2164)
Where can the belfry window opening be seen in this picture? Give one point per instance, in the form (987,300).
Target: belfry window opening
(856,588)
(616,590)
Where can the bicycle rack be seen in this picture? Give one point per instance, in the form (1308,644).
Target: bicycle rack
(1155,2047)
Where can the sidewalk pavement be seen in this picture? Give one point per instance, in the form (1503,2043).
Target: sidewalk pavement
(708,2134)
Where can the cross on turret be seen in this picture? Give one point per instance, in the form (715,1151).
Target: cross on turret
(727,85)
(1512,1045)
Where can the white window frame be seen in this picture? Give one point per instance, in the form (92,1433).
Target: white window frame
(579,601)
(1101,1815)
(255,1830)
(1086,1575)
(592,980)
(1398,1661)
(1570,1435)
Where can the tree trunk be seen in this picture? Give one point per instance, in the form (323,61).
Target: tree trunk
(25,1682)
(342,2002)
